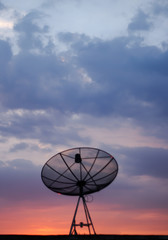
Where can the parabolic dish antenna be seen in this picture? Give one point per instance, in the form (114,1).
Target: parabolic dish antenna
(79,172)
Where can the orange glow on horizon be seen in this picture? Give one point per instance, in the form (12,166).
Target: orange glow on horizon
(57,220)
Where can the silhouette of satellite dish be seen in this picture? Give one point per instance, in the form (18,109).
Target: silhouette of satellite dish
(79,172)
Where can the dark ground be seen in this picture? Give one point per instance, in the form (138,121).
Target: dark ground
(84,237)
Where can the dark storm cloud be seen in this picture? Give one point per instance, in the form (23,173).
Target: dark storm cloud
(135,193)
(19,146)
(128,80)
(35,80)
(2,7)
(28,30)
(6,53)
(140,22)
(50,3)
(25,146)
(141,181)
(133,79)
(160,9)
(133,76)
(145,161)
(48,127)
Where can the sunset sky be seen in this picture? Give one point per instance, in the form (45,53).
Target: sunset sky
(79,73)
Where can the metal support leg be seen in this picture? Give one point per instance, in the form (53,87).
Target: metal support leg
(89,223)
(73,225)
(88,217)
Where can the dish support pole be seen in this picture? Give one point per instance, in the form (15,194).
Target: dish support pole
(88,224)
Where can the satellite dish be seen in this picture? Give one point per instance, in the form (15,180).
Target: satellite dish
(79,172)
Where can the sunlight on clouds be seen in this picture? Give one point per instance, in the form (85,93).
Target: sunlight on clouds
(6,24)
(76,116)
(84,76)
(62,59)
(20,112)
(43,146)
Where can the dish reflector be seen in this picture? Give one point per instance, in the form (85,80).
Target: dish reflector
(79,171)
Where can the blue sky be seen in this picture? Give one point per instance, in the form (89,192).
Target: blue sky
(85,73)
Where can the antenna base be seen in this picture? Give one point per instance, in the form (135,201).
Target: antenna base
(89,223)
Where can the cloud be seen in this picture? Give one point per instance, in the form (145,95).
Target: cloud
(6,52)
(131,78)
(19,146)
(47,126)
(160,8)
(141,181)
(145,162)
(128,191)
(2,6)
(44,89)
(41,80)
(23,146)
(49,78)
(117,77)
(3,140)
(29,30)
(140,22)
